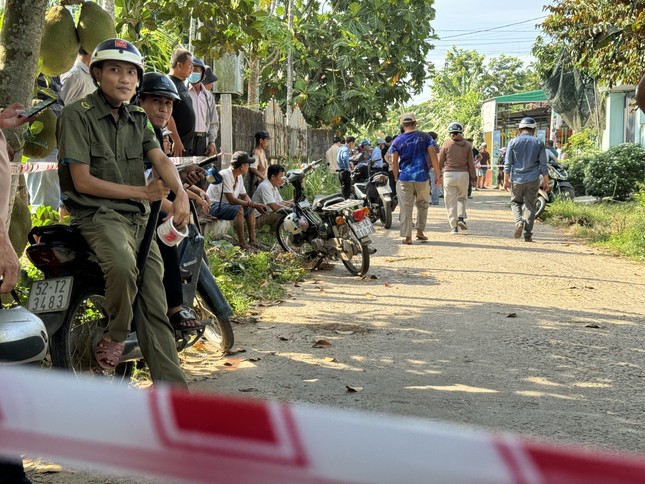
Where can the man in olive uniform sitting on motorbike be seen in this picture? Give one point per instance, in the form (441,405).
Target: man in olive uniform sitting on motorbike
(102,142)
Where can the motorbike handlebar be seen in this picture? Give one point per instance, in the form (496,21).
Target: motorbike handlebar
(311,165)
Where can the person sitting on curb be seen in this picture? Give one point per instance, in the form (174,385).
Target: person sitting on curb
(230,200)
(269,196)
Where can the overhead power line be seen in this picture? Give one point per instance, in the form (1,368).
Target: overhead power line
(494,28)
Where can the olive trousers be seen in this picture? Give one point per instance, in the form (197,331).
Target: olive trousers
(115,238)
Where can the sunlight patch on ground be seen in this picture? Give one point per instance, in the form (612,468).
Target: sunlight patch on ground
(452,388)
(545,394)
(318,361)
(424,372)
(542,381)
(589,384)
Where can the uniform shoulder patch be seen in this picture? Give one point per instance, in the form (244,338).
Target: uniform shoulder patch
(85,105)
(136,109)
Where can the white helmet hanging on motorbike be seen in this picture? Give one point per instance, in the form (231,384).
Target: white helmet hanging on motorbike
(23,337)
(292,224)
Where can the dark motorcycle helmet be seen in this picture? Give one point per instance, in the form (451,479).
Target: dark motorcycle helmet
(527,123)
(158,84)
(120,50)
(455,127)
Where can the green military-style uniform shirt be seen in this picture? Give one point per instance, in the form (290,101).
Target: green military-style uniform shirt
(87,133)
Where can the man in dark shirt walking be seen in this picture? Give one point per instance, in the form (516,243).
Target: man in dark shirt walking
(182,123)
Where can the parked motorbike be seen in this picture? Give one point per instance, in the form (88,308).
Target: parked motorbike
(70,299)
(559,187)
(373,188)
(329,228)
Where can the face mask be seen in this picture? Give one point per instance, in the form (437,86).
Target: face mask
(194,78)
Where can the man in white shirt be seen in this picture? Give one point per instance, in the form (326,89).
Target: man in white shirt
(268,194)
(230,201)
(332,153)
(206,120)
(77,82)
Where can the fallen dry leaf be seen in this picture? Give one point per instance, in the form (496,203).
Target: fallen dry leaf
(387,284)
(592,325)
(330,359)
(257,358)
(236,350)
(247,390)
(283,338)
(352,389)
(340,331)
(322,343)
(589,287)
(511,315)
(228,363)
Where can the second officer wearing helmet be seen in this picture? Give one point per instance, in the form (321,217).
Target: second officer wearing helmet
(102,141)
(525,162)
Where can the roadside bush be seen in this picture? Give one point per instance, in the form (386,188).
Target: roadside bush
(576,168)
(582,143)
(616,172)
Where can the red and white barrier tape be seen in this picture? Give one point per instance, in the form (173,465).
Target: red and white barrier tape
(212,438)
(34,167)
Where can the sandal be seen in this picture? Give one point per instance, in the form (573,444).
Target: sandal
(422,237)
(184,315)
(407,241)
(108,352)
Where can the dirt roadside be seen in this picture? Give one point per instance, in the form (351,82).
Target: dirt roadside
(544,339)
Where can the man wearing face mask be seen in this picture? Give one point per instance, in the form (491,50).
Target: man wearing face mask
(182,123)
(206,120)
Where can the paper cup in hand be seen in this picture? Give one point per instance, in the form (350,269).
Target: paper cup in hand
(169,234)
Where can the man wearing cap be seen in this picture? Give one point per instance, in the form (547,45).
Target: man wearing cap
(413,154)
(206,120)
(377,155)
(230,200)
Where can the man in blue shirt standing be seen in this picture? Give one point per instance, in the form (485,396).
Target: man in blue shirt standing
(345,167)
(413,154)
(525,162)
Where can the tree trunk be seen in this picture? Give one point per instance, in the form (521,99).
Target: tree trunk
(19,47)
(108,6)
(290,63)
(253,95)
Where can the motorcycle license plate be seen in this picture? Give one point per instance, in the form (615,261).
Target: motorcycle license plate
(50,295)
(362,228)
(384,189)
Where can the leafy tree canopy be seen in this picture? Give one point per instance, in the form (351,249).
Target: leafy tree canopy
(354,60)
(604,38)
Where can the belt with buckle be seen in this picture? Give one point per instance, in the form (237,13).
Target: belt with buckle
(201,135)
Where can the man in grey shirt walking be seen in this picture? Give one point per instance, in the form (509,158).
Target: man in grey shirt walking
(525,162)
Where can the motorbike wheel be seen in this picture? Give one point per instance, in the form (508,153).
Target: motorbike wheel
(359,263)
(385,214)
(290,243)
(567,193)
(540,205)
(72,346)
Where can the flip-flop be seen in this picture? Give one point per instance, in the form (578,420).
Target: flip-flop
(406,242)
(108,352)
(422,237)
(182,316)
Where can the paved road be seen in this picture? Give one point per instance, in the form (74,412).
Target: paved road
(544,339)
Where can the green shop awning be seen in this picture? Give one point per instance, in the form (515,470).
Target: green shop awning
(522,97)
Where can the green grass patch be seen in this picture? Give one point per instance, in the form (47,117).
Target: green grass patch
(617,227)
(247,279)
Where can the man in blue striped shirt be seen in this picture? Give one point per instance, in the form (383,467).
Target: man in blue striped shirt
(525,162)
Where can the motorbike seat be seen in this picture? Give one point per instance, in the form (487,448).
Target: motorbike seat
(321,201)
(58,235)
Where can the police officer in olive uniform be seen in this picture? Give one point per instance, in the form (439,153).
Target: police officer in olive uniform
(102,143)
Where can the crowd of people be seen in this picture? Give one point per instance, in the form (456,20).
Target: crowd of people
(422,172)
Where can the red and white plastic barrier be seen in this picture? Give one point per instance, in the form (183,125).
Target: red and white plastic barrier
(211,438)
(34,167)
